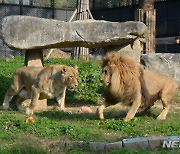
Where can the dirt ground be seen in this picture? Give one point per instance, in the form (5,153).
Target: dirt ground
(93,108)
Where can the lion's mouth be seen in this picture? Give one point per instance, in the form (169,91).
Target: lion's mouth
(70,88)
(107,84)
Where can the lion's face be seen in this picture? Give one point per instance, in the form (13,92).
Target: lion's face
(106,76)
(70,77)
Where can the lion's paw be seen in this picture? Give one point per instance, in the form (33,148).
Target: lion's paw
(4,107)
(161,118)
(29,111)
(62,110)
(127,119)
(101,117)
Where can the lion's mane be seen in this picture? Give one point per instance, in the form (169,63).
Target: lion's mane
(124,84)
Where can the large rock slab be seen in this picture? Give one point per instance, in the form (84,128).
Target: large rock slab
(26,32)
(165,63)
(132,49)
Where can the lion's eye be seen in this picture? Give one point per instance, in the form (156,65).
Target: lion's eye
(105,72)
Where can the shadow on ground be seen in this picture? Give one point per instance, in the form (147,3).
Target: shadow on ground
(69,115)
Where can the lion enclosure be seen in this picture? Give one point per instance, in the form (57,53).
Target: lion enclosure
(53,126)
(41,34)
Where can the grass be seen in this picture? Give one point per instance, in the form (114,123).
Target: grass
(17,136)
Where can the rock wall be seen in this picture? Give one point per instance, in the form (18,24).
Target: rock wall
(165,63)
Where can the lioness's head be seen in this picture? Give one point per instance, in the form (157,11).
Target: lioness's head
(69,76)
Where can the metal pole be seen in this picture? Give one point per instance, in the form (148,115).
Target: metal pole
(21,6)
(52,7)
(31,2)
(94,4)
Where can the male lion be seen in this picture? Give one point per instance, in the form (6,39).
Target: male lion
(41,83)
(125,81)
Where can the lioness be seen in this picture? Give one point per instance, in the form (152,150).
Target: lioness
(41,83)
(125,81)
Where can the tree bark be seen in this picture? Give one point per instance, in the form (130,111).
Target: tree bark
(147,14)
(82,12)
(146,5)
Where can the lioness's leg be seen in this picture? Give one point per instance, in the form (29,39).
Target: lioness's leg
(134,107)
(34,99)
(148,107)
(19,103)
(13,90)
(165,110)
(8,97)
(61,100)
(100,111)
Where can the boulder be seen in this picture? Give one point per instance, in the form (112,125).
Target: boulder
(26,32)
(132,49)
(165,63)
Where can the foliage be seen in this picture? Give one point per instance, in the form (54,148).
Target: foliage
(21,149)
(110,3)
(65,3)
(42,3)
(57,3)
(73,3)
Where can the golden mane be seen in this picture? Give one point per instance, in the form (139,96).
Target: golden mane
(125,77)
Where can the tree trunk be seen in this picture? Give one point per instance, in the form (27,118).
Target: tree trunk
(82,12)
(147,14)
(146,5)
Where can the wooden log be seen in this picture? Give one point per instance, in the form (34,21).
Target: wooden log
(82,13)
(149,18)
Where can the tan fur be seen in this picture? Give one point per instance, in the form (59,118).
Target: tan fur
(125,81)
(156,86)
(41,83)
(121,83)
(85,109)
